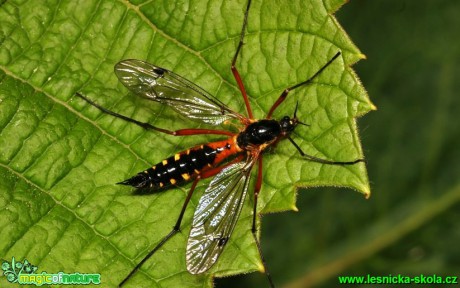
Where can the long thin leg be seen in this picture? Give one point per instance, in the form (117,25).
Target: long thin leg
(176,228)
(324,161)
(254,215)
(235,72)
(148,126)
(283,95)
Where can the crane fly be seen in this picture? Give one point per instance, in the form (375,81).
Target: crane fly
(228,162)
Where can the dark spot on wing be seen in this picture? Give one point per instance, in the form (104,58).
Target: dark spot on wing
(159,71)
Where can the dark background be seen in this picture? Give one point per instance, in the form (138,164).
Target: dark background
(410,225)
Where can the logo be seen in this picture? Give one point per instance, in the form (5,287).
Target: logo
(24,273)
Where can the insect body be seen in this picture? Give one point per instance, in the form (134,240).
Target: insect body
(228,161)
(187,165)
(184,166)
(265,132)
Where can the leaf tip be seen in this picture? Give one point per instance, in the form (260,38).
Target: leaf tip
(294,208)
(362,56)
(261,267)
(367,194)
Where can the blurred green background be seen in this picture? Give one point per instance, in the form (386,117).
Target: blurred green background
(410,225)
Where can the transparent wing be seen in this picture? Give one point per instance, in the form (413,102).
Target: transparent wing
(216,215)
(168,88)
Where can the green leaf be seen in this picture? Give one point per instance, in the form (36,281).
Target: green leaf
(60,158)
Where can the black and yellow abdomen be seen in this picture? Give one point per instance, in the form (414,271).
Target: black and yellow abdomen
(183,166)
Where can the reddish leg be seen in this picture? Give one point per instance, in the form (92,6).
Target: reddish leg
(254,215)
(287,90)
(235,72)
(184,132)
(148,126)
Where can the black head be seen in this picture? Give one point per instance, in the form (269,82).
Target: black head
(288,124)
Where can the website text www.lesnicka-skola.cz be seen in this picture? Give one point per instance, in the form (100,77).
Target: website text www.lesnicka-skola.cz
(398,279)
